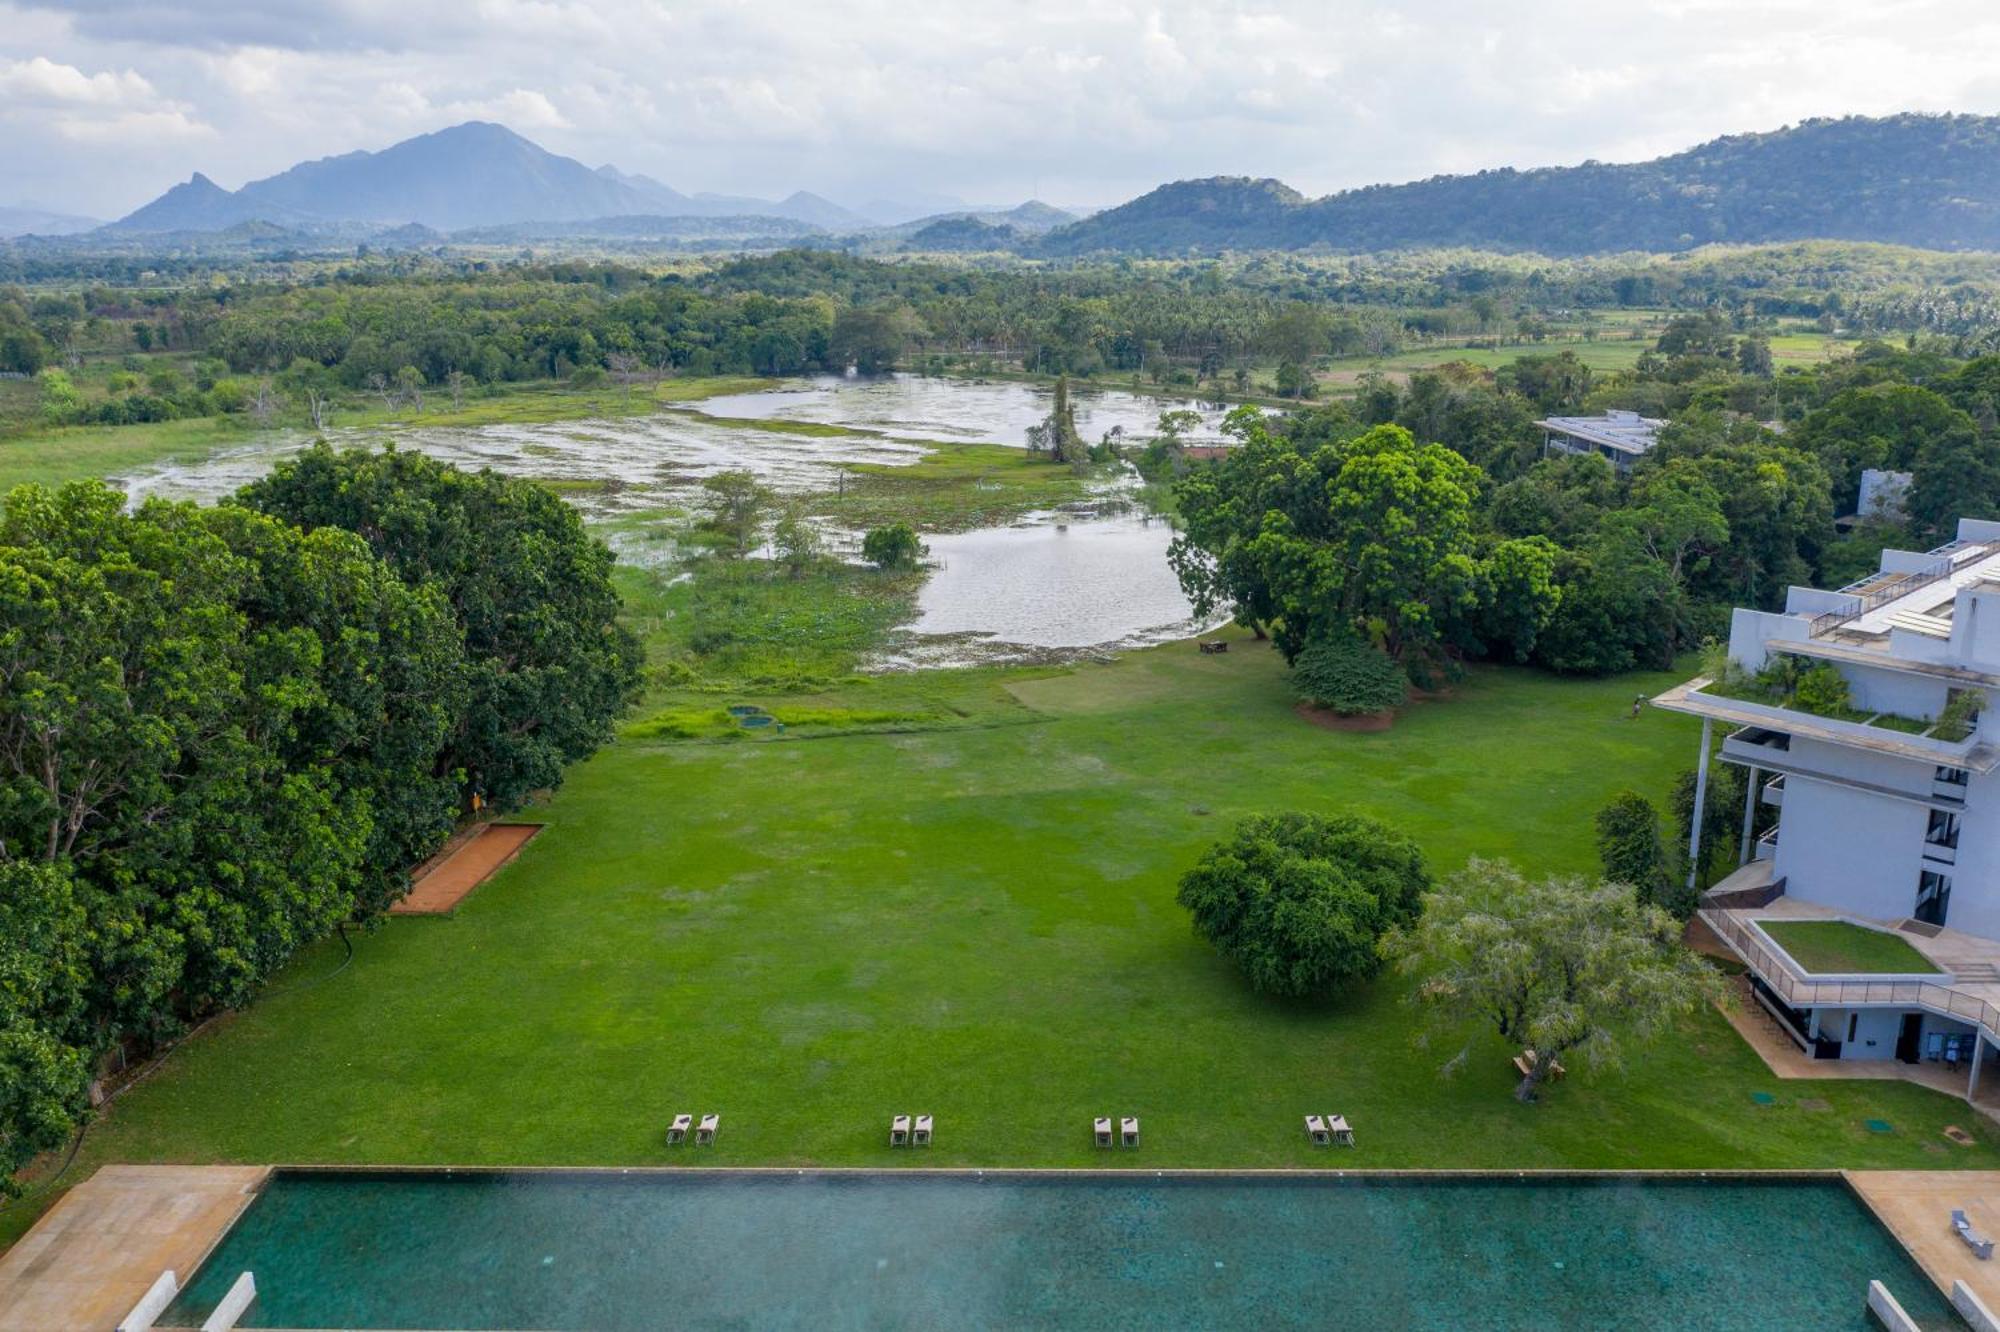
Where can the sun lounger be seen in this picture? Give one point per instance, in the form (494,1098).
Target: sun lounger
(1316,1130)
(1336,1126)
(1128,1131)
(1981,1246)
(920,1136)
(1102,1129)
(705,1134)
(899,1131)
(678,1130)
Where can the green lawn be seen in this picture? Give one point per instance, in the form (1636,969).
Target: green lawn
(976,920)
(1834,947)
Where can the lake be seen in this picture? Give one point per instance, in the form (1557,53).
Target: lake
(1052,584)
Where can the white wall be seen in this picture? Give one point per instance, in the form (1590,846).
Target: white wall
(1975,878)
(1879,1025)
(1851,850)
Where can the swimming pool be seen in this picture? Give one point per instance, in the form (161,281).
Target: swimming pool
(614,1250)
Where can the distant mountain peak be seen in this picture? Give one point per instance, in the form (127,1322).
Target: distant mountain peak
(470,175)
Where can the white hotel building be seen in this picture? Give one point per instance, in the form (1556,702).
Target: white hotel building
(1884,819)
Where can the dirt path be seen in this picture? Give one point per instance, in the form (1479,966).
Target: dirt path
(447,881)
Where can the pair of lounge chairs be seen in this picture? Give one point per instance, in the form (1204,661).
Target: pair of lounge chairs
(1128,1131)
(1981,1246)
(903,1133)
(704,1133)
(1328,1130)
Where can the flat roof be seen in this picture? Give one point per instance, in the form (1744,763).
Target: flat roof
(1628,432)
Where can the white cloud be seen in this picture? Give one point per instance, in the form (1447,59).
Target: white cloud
(43,82)
(1095,100)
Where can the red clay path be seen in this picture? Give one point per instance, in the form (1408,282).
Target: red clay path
(447,881)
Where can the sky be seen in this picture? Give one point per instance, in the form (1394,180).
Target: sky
(105,103)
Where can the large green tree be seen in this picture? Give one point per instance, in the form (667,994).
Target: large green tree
(548,665)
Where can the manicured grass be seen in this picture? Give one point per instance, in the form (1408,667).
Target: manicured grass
(809,934)
(1834,947)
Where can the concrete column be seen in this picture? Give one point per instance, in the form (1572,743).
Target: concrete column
(1978,1050)
(1749,815)
(1700,804)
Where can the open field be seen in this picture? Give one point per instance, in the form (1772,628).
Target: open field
(976,920)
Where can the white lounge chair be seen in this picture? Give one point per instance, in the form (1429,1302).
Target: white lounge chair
(1128,1131)
(705,1134)
(1337,1126)
(1101,1127)
(1316,1130)
(899,1131)
(677,1131)
(920,1136)
(1981,1246)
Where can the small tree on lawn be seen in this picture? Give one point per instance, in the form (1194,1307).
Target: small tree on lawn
(1301,901)
(1349,676)
(1566,967)
(1630,849)
(893,547)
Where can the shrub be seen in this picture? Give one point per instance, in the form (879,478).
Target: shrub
(1300,900)
(1629,846)
(1822,691)
(893,547)
(1348,676)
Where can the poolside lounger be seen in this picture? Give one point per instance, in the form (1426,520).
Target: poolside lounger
(677,1131)
(899,1131)
(1102,1129)
(1128,1130)
(1336,1125)
(1981,1246)
(1316,1130)
(920,1136)
(705,1135)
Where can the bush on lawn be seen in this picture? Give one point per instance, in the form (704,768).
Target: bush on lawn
(1349,676)
(1300,900)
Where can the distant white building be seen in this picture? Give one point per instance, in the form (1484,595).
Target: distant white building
(1884,496)
(1888,816)
(1620,437)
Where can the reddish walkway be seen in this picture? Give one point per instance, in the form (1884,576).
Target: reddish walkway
(446,882)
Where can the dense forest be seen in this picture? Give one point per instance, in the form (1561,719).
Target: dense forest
(400,328)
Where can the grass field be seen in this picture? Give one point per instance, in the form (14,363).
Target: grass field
(976,920)
(1834,947)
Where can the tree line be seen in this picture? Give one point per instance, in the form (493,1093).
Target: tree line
(1421,520)
(225,732)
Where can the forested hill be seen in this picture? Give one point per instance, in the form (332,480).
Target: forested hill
(1928,181)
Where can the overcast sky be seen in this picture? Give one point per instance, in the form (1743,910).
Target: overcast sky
(104,103)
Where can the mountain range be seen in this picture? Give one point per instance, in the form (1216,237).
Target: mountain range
(32,220)
(1931,181)
(471,175)
(1919,180)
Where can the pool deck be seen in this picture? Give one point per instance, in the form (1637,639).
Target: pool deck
(1916,1206)
(100,1248)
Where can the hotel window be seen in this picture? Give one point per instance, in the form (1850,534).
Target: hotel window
(1943,829)
(1933,897)
(1952,776)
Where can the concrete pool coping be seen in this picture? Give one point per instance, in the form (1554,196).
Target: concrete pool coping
(85,1243)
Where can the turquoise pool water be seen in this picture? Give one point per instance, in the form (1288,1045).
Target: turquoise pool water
(709,1250)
